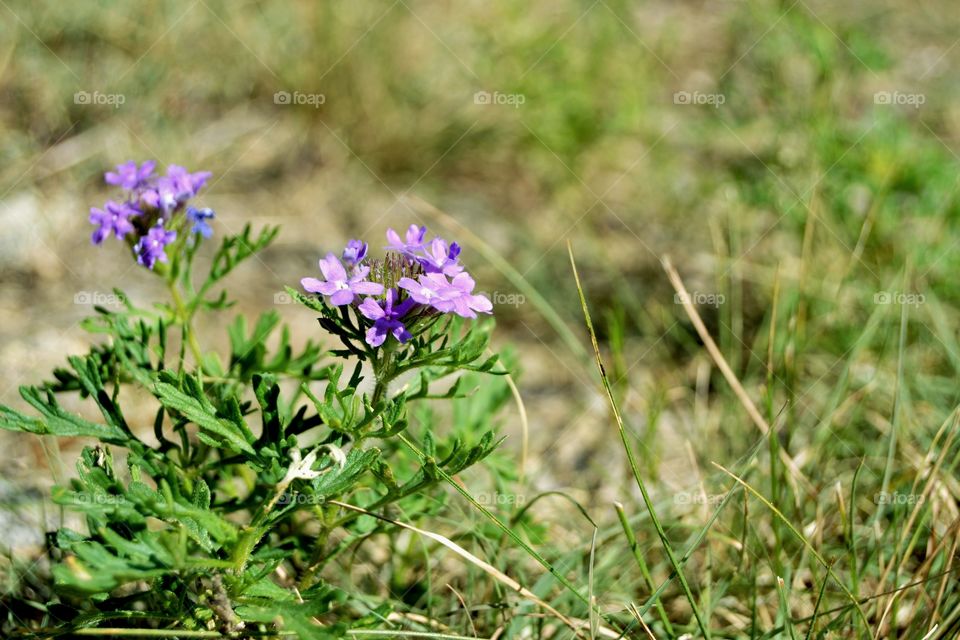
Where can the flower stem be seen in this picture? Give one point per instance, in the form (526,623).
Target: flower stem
(185,318)
(383,371)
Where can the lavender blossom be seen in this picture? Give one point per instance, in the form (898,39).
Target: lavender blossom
(386,318)
(150,248)
(184,183)
(466,304)
(130,177)
(434,290)
(413,276)
(340,287)
(174,189)
(438,258)
(355,252)
(412,243)
(113,218)
(431,289)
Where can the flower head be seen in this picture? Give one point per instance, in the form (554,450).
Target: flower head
(386,318)
(199,219)
(129,176)
(412,243)
(355,252)
(416,279)
(113,218)
(151,247)
(339,286)
(174,189)
(159,205)
(438,258)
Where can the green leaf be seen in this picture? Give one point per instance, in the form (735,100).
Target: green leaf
(88,375)
(267,605)
(198,409)
(339,480)
(56,421)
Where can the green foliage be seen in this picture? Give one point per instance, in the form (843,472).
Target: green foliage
(224,521)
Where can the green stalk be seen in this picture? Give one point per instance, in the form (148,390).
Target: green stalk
(635,548)
(185,318)
(634,467)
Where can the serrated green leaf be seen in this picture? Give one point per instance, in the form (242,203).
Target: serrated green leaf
(337,481)
(203,414)
(56,421)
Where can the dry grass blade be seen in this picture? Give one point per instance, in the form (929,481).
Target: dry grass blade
(466,610)
(524,425)
(636,614)
(728,373)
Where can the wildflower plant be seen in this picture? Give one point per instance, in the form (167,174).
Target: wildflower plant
(225,514)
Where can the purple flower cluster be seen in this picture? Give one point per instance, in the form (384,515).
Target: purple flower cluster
(149,216)
(416,279)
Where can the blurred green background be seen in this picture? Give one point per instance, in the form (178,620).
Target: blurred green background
(806,141)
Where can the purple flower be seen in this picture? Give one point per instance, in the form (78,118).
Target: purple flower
(159,196)
(150,249)
(438,258)
(412,243)
(340,287)
(355,252)
(128,176)
(184,183)
(113,218)
(386,318)
(466,304)
(199,219)
(174,189)
(434,290)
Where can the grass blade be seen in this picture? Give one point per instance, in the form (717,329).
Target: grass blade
(634,467)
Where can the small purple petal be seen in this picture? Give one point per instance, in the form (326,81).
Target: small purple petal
(342,297)
(367,288)
(375,337)
(332,269)
(371,309)
(400,333)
